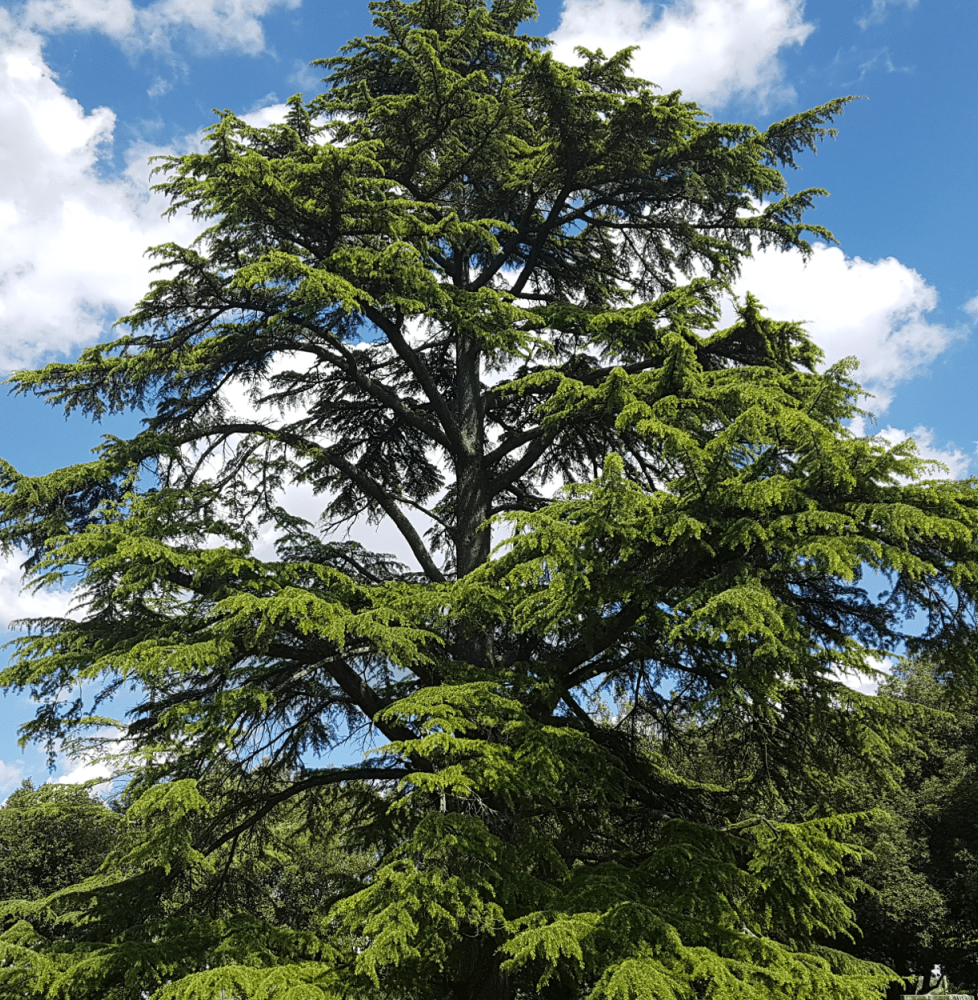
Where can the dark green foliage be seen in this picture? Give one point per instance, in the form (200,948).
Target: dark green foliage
(261,896)
(52,837)
(919,908)
(460,275)
(924,911)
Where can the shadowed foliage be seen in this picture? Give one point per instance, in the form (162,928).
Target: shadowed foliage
(458,293)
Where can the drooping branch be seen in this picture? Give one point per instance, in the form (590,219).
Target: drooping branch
(319,778)
(303,446)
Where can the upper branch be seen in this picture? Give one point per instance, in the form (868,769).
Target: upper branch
(409,356)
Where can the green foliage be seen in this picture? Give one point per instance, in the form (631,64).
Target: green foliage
(160,916)
(916,849)
(52,837)
(458,276)
(924,860)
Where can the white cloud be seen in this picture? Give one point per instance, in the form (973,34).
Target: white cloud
(873,310)
(159,87)
(877,11)
(11,775)
(72,243)
(81,765)
(954,458)
(384,537)
(307,78)
(209,25)
(879,60)
(957,461)
(971,307)
(262,117)
(85,770)
(866,683)
(716,49)
(275,114)
(16,604)
(713,50)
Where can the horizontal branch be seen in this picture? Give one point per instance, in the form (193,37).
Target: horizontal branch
(318,779)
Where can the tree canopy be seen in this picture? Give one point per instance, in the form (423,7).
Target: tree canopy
(474,292)
(924,866)
(51,838)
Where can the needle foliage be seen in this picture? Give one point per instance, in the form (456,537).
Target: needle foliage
(474,293)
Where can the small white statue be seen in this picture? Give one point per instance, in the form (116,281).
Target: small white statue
(941,990)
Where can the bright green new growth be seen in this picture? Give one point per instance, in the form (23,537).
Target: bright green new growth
(447,283)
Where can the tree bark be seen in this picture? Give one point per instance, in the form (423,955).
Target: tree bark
(477,973)
(473,499)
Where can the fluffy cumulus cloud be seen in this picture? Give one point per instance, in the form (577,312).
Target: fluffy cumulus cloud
(209,25)
(383,537)
(16,604)
(956,463)
(85,770)
(873,310)
(81,766)
(262,115)
(712,50)
(72,243)
(11,775)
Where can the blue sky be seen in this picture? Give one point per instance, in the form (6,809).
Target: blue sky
(89,89)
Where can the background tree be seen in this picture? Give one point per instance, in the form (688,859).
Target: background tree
(52,837)
(924,912)
(450,281)
(918,911)
(62,854)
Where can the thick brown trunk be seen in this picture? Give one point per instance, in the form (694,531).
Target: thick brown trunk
(472,542)
(473,502)
(474,965)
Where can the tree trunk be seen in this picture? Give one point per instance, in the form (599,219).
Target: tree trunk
(477,975)
(473,502)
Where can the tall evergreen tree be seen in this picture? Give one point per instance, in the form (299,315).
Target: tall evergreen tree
(461,275)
